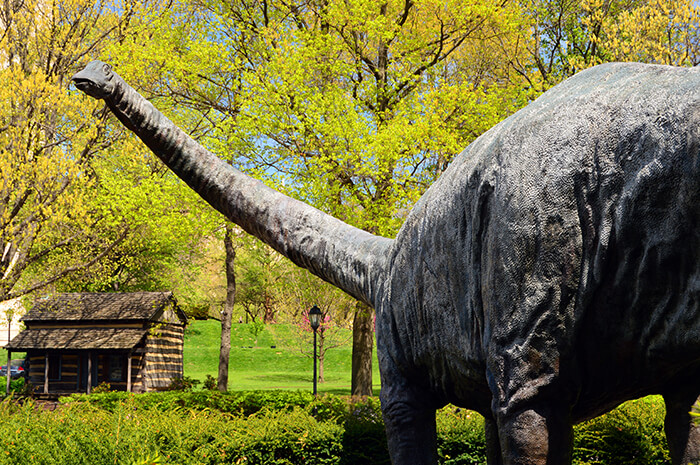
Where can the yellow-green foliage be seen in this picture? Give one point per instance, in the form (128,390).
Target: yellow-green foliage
(263,428)
(656,31)
(68,192)
(44,141)
(357,106)
(631,434)
(565,36)
(85,434)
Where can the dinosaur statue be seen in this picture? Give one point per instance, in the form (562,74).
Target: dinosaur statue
(551,273)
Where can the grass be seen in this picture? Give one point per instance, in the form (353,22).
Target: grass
(263,366)
(15,355)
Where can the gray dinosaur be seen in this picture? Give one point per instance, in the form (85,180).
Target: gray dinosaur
(551,273)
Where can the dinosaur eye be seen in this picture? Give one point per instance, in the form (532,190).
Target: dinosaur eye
(106,68)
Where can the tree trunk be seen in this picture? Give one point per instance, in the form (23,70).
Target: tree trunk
(227,313)
(269,316)
(362,343)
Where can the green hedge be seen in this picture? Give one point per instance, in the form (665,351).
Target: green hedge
(277,427)
(242,403)
(85,434)
(630,434)
(460,437)
(17,386)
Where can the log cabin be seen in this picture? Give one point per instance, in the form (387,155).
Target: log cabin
(75,341)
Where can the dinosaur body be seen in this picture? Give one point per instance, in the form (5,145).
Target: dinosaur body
(551,273)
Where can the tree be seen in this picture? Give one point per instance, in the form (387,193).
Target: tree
(355,107)
(363,104)
(261,271)
(657,31)
(362,344)
(304,291)
(358,106)
(82,205)
(165,227)
(227,313)
(171,56)
(566,36)
(47,144)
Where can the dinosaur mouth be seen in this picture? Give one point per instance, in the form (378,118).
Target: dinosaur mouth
(87,86)
(83,84)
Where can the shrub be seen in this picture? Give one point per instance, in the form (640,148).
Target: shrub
(283,427)
(210,383)
(328,408)
(81,433)
(291,437)
(241,403)
(364,438)
(102,388)
(18,387)
(460,438)
(107,401)
(186,383)
(631,434)
(249,402)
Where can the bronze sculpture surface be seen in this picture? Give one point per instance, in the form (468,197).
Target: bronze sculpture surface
(551,273)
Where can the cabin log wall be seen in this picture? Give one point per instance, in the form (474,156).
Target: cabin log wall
(163,358)
(68,380)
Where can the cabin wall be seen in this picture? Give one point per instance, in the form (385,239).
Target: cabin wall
(64,378)
(163,357)
(67,368)
(137,385)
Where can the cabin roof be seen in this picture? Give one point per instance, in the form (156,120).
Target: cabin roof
(77,338)
(101,306)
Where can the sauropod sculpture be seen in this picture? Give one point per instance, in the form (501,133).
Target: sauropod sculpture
(551,273)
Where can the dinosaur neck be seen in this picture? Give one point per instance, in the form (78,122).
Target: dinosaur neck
(347,257)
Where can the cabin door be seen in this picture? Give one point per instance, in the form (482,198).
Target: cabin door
(83,375)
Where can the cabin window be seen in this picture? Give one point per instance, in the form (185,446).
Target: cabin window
(54,367)
(117,368)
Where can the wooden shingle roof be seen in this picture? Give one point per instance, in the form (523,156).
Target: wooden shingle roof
(99,306)
(77,338)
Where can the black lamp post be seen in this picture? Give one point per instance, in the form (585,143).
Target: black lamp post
(315,322)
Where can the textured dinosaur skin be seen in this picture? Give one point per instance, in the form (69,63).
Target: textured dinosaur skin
(551,273)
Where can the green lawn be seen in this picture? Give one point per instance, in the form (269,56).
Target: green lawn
(262,366)
(15,355)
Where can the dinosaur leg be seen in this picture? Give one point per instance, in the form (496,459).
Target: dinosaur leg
(540,434)
(682,433)
(410,426)
(493,445)
(410,432)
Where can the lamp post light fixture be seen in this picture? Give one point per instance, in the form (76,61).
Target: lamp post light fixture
(315,322)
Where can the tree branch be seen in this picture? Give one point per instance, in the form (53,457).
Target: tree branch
(66,271)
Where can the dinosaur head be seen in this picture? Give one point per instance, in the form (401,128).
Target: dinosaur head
(96,80)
